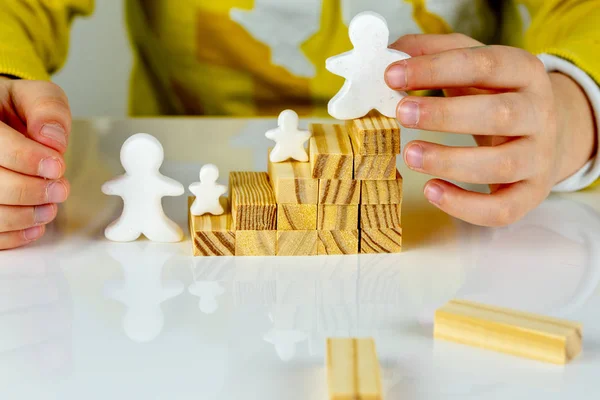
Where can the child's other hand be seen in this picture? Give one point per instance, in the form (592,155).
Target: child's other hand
(534,129)
(35,121)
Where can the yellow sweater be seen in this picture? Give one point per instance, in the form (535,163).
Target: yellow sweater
(256,57)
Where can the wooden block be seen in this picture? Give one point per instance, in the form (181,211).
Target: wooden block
(293,182)
(375,167)
(337,218)
(380,240)
(338,192)
(518,333)
(331,154)
(337,242)
(375,134)
(380,216)
(296,217)
(297,243)
(353,371)
(382,191)
(211,234)
(253,204)
(255,243)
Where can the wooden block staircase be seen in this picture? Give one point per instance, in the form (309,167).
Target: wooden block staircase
(346,200)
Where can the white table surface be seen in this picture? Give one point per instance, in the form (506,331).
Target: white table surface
(83,318)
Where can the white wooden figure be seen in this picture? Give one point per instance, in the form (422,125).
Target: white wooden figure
(207,192)
(364,69)
(142,188)
(289,139)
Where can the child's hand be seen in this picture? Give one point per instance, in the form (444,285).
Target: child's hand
(34,124)
(534,129)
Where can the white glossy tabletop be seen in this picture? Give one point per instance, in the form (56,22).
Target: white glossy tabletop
(83,318)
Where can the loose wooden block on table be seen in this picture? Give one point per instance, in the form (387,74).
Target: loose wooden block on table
(337,218)
(330,151)
(500,329)
(212,234)
(255,243)
(337,242)
(253,203)
(380,240)
(339,192)
(293,182)
(293,217)
(375,134)
(353,371)
(380,216)
(382,191)
(297,243)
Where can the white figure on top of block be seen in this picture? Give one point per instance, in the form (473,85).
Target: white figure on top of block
(207,192)
(364,68)
(142,188)
(290,140)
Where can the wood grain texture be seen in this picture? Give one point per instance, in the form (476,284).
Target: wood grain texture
(293,182)
(353,371)
(331,154)
(212,234)
(337,242)
(375,167)
(380,240)
(500,329)
(297,243)
(255,243)
(253,203)
(337,218)
(339,192)
(382,191)
(296,217)
(374,134)
(380,216)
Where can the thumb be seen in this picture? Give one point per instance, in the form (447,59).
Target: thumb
(44,108)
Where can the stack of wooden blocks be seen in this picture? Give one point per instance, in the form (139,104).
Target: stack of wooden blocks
(345,200)
(376,144)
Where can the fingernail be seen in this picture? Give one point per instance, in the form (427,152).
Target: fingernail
(55,132)
(395,76)
(50,168)
(44,214)
(414,156)
(33,233)
(56,192)
(408,113)
(434,193)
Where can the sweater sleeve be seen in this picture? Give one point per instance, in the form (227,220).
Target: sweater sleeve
(565,34)
(34,35)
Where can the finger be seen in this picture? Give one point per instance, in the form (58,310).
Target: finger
(21,154)
(45,109)
(508,163)
(11,240)
(14,218)
(420,44)
(503,207)
(491,67)
(506,114)
(23,190)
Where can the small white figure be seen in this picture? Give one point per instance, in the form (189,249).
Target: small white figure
(207,192)
(207,291)
(142,188)
(290,140)
(364,69)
